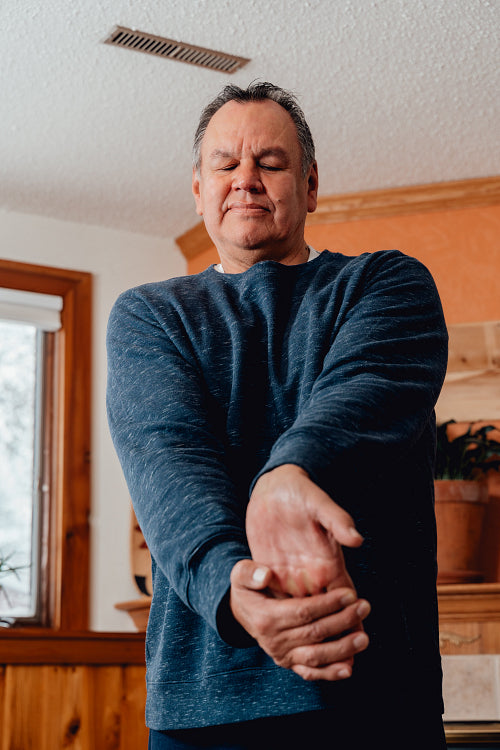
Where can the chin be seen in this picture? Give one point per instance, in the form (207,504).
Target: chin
(250,242)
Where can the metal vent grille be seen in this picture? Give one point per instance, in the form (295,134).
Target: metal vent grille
(162,47)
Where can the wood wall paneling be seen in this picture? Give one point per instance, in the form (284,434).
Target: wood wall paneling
(50,707)
(84,691)
(411,199)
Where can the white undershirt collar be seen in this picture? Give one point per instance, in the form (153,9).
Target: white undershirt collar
(312,255)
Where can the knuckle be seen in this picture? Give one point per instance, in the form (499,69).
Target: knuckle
(309,657)
(263,624)
(238,571)
(315,632)
(276,649)
(282,660)
(303,613)
(281,655)
(307,673)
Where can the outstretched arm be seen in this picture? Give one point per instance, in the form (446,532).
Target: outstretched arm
(369,406)
(172,457)
(380,377)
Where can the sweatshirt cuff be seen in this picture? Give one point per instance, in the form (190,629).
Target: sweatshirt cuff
(209,588)
(229,628)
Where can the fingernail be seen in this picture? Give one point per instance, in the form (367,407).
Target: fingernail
(259,574)
(360,641)
(348,598)
(355,533)
(343,674)
(363,609)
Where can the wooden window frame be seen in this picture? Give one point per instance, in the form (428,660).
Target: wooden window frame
(67,519)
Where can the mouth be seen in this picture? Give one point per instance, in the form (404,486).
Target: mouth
(251,209)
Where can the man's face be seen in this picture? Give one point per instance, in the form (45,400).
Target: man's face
(250,189)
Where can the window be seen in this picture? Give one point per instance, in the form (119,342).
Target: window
(44,445)
(20,428)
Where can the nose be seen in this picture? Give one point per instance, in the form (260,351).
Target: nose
(247,177)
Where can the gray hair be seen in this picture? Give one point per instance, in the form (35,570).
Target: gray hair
(257,92)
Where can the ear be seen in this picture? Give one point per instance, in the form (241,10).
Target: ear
(195,186)
(312,188)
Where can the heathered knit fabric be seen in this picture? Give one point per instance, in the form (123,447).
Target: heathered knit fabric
(334,365)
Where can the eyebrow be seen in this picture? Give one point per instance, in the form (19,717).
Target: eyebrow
(273,151)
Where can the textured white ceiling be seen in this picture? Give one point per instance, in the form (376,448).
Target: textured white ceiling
(397,92)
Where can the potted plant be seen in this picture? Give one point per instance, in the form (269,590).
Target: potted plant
(461,489)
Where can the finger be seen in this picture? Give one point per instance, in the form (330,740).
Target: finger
(332,673)
(329,661)
(338,523)
(321,655)
(331,628)
(297,582)
(287,638)
(251,575)
(300,612)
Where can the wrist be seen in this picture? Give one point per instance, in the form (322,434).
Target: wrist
(283,470)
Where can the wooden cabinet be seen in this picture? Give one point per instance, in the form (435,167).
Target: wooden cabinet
(469,634)
(469,618)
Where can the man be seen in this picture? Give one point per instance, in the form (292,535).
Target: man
(274,420)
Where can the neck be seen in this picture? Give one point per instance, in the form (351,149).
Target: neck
(239,262)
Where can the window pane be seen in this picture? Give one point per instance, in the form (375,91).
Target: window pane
(18,506)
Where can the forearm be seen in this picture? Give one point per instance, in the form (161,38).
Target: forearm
(381,376)
(173,458)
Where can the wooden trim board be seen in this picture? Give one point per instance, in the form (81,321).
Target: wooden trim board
(373,204)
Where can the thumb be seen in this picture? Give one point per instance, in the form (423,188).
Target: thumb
(338,523)
(251,575)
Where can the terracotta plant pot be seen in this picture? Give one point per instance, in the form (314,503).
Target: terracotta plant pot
(460,508)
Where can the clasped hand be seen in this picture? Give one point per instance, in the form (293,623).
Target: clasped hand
(295,596)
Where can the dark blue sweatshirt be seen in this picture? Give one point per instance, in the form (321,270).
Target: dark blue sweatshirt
(334,365)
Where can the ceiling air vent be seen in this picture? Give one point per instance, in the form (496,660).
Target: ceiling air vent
(162,47)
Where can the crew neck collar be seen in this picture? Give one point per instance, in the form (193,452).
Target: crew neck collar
(312,255)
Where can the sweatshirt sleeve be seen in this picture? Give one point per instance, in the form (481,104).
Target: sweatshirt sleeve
(171,455)
(380,379)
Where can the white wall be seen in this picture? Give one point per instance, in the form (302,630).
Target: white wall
(117,260)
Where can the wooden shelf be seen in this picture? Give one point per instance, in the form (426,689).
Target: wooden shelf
(481,732)
(37,646)
(469,618)
(469,601)
(138,609)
